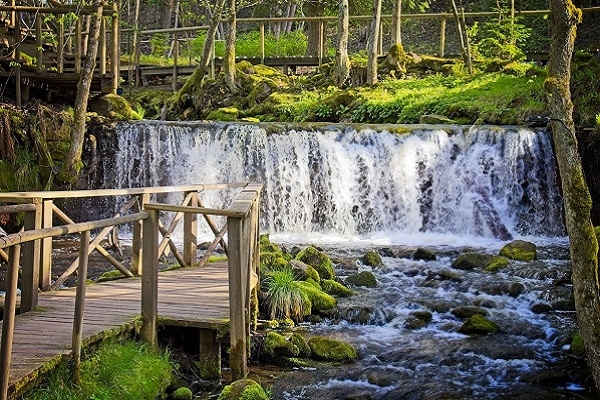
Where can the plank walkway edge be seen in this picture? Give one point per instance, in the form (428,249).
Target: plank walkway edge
(43,337)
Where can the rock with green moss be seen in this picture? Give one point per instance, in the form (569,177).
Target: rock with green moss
(332,350)
(243,389)
(335,288)
(519,250)
(418,319)
(364,279)
(577,346)
(299,341)
(424,254)
(318,260)
(276,345)
(183,393)
(497,263)
(372,259)
(470,261)
(111,276)
(478,325)
(435,119)
(319,300)
(272,261)
(113,106)
(224,114)
(266,246)
(304,271)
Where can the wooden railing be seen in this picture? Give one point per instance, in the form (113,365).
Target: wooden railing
(36,238)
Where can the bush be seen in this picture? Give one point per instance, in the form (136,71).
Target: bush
(284,297)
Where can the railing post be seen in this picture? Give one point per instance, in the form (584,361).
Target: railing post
(39,53)
(102,49)
(190,232)
(46,257)
(237,312)
(150,279)
(78,45)
(60,43)
(262,42)
(442,37)
(84,244)
(8,320)
(254,260)
(115,62)
(136,243)
(31,260)
(175,59)
(321,41)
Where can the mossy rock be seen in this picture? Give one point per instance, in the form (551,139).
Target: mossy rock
(418,319)
(318,260)
(424,254)
(224,114)
(276,345)
(372,259)
(470,261)
(183,393)
(300,342)
(464,312)
(304,271)
(243,389)
(497,263)
(335,288)
(577,345)
(272,261)
(113,106)
(111,275)
(519,250)
(319,300)
(266,246)
(332,350)
(478,325)
(364,279)
(435,119)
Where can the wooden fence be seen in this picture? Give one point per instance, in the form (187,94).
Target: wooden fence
(242,224)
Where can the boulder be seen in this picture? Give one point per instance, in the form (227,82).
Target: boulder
(304,271)
(272,261)
(372,259)
(318,260)
(519,250)
(335,288)
(470,261)
(435,119)
(182,393)
(464,312)
(300,342)
(364,278)
(276,345)
(224,114)
(478,325)
(319,300)
(332,350)
(497,263)
(418,319)
(423,254)
(243,389)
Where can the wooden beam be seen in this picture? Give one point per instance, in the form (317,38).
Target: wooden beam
(8,320)
(237,312)
(150,280)
(190,231)
(31,261)
(210,355)
(84,241)
(46,256)
(115,62)
(136,243)
(196,210)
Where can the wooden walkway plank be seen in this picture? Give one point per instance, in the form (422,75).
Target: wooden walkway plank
(186,297)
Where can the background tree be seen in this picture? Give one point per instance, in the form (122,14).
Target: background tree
(229,60)
(373,44)
(342,62)
(564,18)
(72,163)
(314,8)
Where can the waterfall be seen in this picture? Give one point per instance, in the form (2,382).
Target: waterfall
(481,180)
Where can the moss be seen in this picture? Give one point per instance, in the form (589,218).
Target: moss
(300,342)
(372,259)
(318,260)
(224,114)
(272,262)
(335,288)
(183,393)
(519,250)
(243,389)
(319,300)
(276,345)
(332,350)
(364,279)
(111,276)
(577,345)
(470,261)
(497,263)
(113,106)
(478,325)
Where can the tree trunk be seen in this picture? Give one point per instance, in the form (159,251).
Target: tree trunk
(313,30)
(564,18)
(397,22)
(461,29)
(342,62)
(195,81)
(229,60)
(166,8)
(373,44)
(72,163)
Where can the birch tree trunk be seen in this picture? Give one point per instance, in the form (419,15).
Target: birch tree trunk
(564,18)
(229,61)
(397,22)
(373,44)
(342,62)
(72,163)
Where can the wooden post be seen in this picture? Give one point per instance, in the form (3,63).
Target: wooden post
(115,62)
(254,261)
(78,53)
(102,50)
(39,54)
(175,59)
(80,303)
(212,61)
(262,42)
(46,257)
(8,320)
(17,54)
(150,279)
(210,355)
(380,40)
(136,243)
(321,41)
(442,37)
(237,312)
(60,44)
(190,232)
(31,261)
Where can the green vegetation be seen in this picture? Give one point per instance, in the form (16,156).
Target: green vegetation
(332,350)
(244,389)
(126,371)
(284,296)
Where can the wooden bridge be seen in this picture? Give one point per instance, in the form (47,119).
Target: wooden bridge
(52,325)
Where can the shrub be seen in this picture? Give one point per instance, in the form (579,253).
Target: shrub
(284,297)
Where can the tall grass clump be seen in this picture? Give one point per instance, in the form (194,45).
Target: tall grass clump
(125,371)
(284,297)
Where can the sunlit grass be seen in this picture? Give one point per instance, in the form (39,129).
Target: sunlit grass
(284,297)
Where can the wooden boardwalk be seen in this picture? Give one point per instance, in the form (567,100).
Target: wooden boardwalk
(197,297)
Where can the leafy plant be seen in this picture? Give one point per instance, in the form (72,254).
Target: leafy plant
(499,39)
(284,297)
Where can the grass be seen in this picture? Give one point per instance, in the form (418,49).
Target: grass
(284,296)
(124,371)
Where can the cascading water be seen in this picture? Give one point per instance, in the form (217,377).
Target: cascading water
(480,181)
(449,187)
